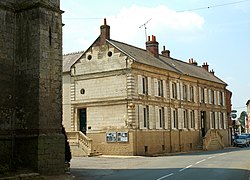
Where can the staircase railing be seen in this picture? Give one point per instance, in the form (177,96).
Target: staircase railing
(210,135)
(79,139)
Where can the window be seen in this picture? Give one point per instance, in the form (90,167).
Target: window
(192,119)
(144,85)
(185,119)
(202,94)
(212,97)
(221,99)
(174,90)
(192,93)
(222,120)
(213,120)
(161,115)
(184,92)
(160,88)
(174,119)
(145,116)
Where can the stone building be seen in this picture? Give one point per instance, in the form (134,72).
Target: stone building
(31,86)
(248,117)
(123,100)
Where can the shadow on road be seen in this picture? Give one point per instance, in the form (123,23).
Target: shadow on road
(160,174)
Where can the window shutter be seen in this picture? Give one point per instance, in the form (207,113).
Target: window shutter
(205,95)
(155,87)
(151,119)
(178,90)
(164,89)
(219,120)
(224,120)
(210,120)
(218,97)
(223,98)
(181,90)
(172,118)
(189,119)
(195,119)
(170,89)
(195,95)
(209,97)
(165,117)
(180,120)
(139,84)
(140,115)
(157,117)
(149,86)
(215,97)
(200,94)
(216,120)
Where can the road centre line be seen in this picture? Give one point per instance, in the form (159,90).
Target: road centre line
(165,176)
(211,157)
(185,168)
(200,161)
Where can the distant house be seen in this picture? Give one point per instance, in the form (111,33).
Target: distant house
(123,100)
(248,116)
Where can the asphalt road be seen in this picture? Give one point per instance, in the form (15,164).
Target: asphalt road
(228,164)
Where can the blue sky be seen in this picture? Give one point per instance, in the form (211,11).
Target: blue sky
(219,35)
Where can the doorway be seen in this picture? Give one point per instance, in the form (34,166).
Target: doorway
(203,123)
(83,120)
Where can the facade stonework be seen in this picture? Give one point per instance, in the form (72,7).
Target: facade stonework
(123,100)
(31,85)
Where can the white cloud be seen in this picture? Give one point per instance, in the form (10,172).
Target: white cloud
(125,27)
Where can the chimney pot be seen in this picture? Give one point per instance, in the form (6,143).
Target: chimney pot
(152,46)
(205,66)
(105,32)
(165,53)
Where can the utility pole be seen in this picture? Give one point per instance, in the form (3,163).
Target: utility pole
(144,25)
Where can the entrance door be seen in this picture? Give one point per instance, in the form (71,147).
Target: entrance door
(203,123)
(83,120)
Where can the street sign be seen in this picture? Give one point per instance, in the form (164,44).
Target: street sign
(234,116)
(234,111)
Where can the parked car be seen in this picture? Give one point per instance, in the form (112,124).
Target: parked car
(247,135)
(241,140)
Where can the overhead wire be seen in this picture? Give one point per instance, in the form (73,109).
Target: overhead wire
(194,9)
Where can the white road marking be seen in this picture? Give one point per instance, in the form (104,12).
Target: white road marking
(165,176)
(200,161)
(186,168)
(211,157)
(222,154)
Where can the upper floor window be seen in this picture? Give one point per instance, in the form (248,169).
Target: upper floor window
(160,88)
(191,93)
(144,85)
(212,97)
(161,115)
(185,119)
(202,94)
(174,90)
(221,98)
(145,116)
(184,92)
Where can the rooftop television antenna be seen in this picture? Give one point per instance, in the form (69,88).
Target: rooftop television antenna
(144,25)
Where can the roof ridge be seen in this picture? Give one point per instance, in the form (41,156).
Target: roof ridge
(128,44)
(72,53)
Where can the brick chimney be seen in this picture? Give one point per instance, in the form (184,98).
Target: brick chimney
(212,72)
(192,61)
(165,53)
(205,66)
(152,46)
(104,32)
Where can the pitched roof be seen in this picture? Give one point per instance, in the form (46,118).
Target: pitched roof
(70,59)
(142,56)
